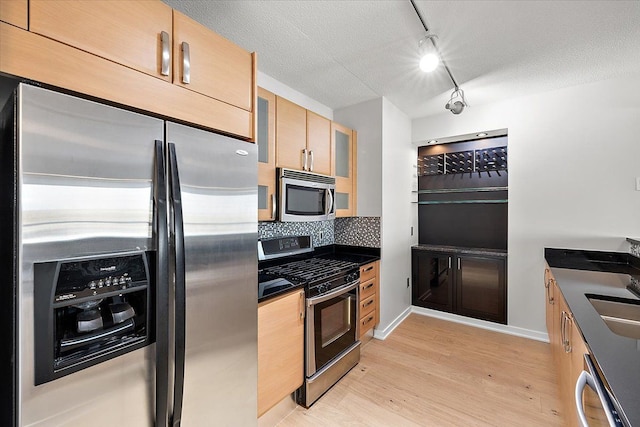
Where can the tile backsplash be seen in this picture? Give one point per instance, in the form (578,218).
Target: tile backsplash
(358,231)
(355,231)
(321,232)
(635,280)
(635,250)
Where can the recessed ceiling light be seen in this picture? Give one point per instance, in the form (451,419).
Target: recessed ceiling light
(482,134)
(433,141)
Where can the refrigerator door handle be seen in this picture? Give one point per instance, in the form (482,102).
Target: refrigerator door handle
(162,287)
(180,291)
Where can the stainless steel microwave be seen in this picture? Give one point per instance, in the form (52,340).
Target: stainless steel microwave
(305,196)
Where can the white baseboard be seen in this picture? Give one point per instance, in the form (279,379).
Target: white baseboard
(505,329)
(384,333)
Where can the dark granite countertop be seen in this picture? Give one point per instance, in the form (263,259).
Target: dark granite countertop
(461,250)
(357,254)
(634,241)
(279,293)
(583,273)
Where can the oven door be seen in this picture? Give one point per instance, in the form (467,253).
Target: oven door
(331,328)
(306,201)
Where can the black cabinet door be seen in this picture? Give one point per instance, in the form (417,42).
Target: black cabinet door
(481,290)
(432,280)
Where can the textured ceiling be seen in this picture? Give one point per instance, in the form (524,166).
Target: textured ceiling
(347,51)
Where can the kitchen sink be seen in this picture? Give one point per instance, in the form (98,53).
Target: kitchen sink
(621,315)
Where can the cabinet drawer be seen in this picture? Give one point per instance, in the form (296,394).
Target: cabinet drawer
(367,289)
(367,272)
(367,322)
(367,305)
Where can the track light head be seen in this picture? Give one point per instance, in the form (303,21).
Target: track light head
(456,102)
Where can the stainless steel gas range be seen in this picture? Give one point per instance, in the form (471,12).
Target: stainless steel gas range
(331,287)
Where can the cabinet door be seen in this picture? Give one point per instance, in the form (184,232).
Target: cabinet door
(209,64)
(291,134)
(14,12)
(266,139)
(481,287)
(344,149)
(432,280)
(280,348)
(110,29)
(319,143)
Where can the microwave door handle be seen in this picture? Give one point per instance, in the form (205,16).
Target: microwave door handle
(329,202)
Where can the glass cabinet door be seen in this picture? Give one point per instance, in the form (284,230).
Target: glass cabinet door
(432,280)
(265,138)
(344,169)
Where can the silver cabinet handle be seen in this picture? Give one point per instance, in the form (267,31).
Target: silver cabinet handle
(304,159)
(459,264)
(311,155)
(549,297)
(186,63)
(273,206)
(368,268)
(166,53)
(449,263)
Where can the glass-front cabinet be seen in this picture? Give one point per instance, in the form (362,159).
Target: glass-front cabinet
(343,141)
(266,140)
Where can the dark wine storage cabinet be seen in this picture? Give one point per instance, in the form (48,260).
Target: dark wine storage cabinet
(469,284)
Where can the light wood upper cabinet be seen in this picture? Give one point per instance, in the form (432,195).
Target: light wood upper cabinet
(344,148)
(15,12)
(127,32)
(280,348)
(291,135)
(318,143)
(266,140)
(207,63)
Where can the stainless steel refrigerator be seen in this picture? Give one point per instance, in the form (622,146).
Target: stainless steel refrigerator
(128,268)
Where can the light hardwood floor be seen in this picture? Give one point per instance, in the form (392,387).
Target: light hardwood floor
(431,372)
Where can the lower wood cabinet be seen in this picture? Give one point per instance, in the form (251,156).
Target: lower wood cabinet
(568,349)
(280,348)
(369,297)
(466,284)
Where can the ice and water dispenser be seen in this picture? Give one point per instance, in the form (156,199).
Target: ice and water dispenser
(89,310)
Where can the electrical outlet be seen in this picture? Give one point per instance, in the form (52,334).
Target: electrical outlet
(407,282)
(321,236)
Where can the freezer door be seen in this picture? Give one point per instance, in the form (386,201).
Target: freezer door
(218,186)
(85,176)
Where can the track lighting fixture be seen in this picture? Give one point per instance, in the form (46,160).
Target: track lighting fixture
(456,102)
(430,58)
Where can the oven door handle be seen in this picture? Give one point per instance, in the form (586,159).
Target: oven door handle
(336,292)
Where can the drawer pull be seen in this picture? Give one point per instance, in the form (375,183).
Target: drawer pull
(368,286)
(368,269)
(367,304)
(367,320)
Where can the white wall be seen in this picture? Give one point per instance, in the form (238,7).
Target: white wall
(366,118)
(386,177)
(279,88)
(398,160)
(573,158)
